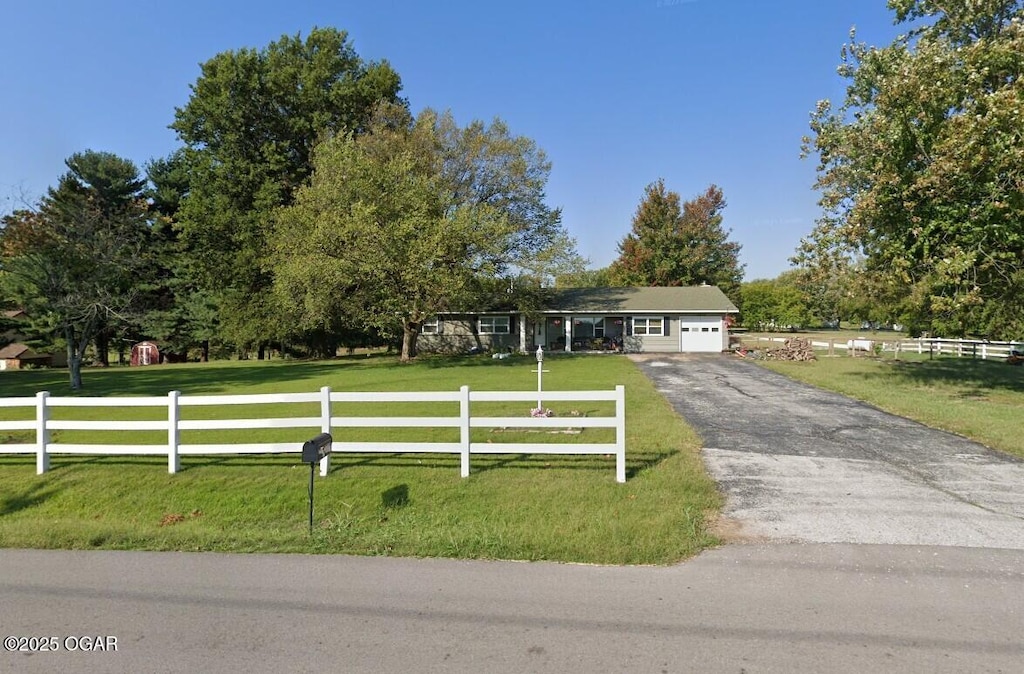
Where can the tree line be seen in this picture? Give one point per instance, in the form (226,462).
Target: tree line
(308,208)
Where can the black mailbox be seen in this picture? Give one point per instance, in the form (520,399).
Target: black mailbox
(312,451)
(317,448)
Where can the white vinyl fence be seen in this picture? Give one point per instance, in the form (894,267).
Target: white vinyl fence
(962,348)
(173,402)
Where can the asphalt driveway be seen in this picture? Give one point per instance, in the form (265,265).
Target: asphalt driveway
(800,464)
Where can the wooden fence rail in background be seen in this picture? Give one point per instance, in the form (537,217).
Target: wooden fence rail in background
(962,348)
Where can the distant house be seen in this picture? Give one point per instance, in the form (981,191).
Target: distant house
(686,319)
(16,335)
(12,335)
(16,356)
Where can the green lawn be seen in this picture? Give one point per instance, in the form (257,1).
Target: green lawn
(979,399)
(511,507)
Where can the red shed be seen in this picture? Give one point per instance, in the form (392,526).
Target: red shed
(145,353)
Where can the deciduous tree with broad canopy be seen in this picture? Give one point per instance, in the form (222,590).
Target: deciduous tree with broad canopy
(922,167)
(773,304)
(674,244)
(405,220)
(249,129)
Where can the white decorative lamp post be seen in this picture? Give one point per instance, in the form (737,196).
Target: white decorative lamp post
(540,378)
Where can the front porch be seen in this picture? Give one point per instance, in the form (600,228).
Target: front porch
(580,333)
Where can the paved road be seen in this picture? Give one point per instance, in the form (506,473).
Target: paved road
(801,464)
(743,608)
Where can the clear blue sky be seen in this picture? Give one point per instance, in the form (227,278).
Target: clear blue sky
(617,92)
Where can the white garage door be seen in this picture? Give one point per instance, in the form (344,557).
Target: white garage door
(701,334)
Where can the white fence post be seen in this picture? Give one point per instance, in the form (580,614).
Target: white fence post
(464,428)
(620,433)
(325,424)
(42,433)
(173,433)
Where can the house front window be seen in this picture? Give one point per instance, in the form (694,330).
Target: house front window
(432,326)
(649,326)
(494,325)
(588,326)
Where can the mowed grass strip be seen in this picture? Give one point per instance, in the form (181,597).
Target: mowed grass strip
(513,506)
(978,399)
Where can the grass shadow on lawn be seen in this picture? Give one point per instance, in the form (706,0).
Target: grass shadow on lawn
(974,377)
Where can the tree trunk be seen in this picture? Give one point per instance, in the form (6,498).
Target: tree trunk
(261,352)
(102,342)
(410,333)
(205,345)
(75,367)
(74,360)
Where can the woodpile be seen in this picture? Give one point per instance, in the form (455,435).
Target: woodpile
(795,349)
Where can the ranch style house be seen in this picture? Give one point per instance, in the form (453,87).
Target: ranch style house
(687,319)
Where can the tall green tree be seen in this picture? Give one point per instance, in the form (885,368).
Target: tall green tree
(921,167)
(249,129)
(678,244)
(409,218)
(828,276)
(773,304)
(587,278)
(81,259)
(180,313)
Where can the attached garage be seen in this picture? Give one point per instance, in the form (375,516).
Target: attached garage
(702,334)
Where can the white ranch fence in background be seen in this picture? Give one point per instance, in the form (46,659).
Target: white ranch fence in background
(962,348)
(43,448)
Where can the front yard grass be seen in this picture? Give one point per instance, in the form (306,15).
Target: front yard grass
(538,507)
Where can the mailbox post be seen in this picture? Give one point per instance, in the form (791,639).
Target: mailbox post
(312,451)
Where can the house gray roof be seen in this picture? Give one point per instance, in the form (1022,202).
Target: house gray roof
(678,299)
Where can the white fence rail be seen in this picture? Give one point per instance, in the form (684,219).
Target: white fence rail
(43,403)
(962,348)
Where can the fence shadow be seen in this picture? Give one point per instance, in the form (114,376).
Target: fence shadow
(28,498)
(636,465)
